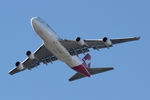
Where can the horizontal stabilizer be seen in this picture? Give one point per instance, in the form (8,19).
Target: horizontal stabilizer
(92,72)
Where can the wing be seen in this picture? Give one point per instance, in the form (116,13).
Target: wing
(41,54)
(74,48)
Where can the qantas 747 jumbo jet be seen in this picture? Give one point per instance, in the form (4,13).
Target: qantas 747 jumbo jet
(67,51)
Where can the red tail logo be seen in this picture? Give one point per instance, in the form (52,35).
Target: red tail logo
(87,61)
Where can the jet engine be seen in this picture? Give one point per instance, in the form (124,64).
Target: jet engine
(19,65)
(30,55)
(107,42)
(80,41)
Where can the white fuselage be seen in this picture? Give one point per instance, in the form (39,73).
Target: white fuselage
(51,42)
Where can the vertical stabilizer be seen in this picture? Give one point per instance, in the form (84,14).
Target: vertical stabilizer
(87,61)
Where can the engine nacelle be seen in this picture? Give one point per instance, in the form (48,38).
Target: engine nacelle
(80,41)
(19,65)
(30,55)
(107,42)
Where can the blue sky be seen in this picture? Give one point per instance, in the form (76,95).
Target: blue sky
(71,18)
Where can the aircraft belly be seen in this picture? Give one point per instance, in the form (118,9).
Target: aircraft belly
(74,61)
(62,54)
(58,50)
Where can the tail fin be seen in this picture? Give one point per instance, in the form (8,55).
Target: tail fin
(87,61)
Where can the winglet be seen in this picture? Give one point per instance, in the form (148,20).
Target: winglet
(138,38)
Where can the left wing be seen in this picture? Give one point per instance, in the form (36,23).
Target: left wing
(41,54)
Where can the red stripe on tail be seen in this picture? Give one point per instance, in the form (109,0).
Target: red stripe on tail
(81,69)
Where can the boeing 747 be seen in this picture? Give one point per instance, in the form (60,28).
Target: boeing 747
(67,51)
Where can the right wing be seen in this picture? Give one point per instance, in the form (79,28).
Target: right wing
(41,54)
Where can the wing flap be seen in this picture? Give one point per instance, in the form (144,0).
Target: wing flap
(73,47)
(92,71)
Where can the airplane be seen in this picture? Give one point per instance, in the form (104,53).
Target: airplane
(55,48)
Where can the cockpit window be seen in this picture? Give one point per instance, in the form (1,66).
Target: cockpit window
(43,22)
(40,20)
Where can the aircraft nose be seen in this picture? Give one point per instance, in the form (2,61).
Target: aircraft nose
(33,20)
